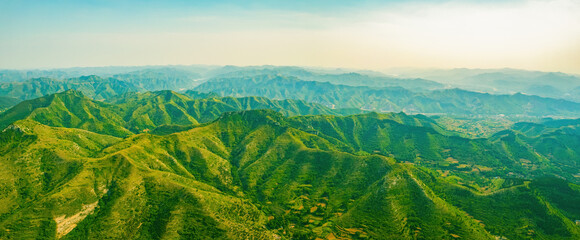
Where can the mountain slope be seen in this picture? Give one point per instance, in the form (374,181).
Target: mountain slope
(473,162)
(451,101)
(69,109)
(137,182)
(61,189)
(7,102)
(357,79)
(339,77)
(502,81)
(137,112)
(155,79)
(93,86)
(255,174)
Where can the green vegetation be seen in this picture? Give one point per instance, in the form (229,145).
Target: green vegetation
(7,102)
(480,126)
(93,86)
(259,174)
(142,112)
(69,109)
(107,159)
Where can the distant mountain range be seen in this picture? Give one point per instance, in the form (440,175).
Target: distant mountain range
(503,81)
(332,88)
(388,99)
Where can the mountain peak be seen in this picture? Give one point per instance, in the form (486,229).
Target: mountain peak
(90,78)
(71,92)
(253,117)
(71,96)
(168,94)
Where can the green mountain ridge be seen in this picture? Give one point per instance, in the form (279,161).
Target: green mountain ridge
(137,112)
(257,174)
(7,102)
(93,86)
(69,109)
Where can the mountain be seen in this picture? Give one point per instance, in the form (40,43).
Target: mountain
(150,165)
(544,90)
(111,81)
(76,72)
(421,141)
(154,79)
(357,79)
(70,109)
(258,174)
(92,86)
(553,140)
(169,108)
(548,126)
(342,77)
(7,102)
(137,112)
(251,71)
(388,99)
(20,76)
(574,93)
(489,104)
(282,87)
(501,81)
(414,139)
(178,78)
(197,95)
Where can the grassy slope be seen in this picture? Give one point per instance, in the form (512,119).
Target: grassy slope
(141,112)
(239,174)
(7,102)
(93,86)
(419,140)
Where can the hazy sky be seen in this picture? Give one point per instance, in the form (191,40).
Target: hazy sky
(527,34)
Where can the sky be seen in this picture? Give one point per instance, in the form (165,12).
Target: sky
(525,34)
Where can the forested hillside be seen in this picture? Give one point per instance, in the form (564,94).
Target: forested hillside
(76,168)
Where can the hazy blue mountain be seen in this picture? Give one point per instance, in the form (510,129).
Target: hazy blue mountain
(357,79)
(546,91)
(502,81)
(497,81)
(154,79)
(449,101)
(75,72)
(353,78)
(235,71)
(63,73)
